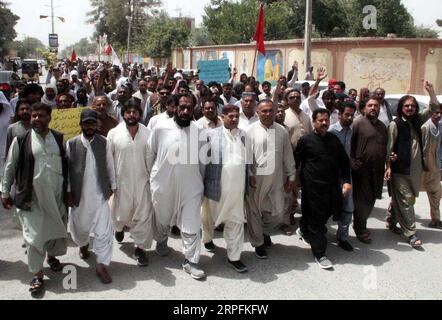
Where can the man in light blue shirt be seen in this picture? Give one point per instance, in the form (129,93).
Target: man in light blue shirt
(342,129)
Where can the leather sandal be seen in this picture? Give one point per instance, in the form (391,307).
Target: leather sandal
(37,285)
(414,241)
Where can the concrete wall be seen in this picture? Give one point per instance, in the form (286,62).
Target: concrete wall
(398,65)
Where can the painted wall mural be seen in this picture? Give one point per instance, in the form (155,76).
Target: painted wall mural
(373,68)
(270,66)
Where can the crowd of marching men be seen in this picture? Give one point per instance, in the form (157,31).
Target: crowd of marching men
(161,153)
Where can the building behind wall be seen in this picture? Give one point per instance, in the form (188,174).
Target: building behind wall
(396,64)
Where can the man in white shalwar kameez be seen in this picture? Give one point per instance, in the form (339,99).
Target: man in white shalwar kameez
(177,183)
(89,192)
(225,186)
(131,204)
(171,104)
(272,174)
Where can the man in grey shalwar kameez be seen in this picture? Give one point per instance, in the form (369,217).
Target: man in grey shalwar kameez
(37,163)
(271,174)
(405,147)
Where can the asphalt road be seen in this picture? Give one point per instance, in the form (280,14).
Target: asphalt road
(387,269)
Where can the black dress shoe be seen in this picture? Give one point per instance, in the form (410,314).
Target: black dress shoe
(345,245)
(119,236)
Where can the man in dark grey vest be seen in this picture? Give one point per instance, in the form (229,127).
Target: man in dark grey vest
(89,191)
(37,164)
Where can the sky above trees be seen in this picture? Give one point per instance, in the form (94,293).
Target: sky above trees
(76,27)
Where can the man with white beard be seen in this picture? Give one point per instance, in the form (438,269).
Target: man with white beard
(177,183)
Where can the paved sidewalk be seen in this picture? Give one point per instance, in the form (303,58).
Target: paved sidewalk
(387,269)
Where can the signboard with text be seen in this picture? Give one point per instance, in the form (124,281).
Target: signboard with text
(214,70)
(53,40)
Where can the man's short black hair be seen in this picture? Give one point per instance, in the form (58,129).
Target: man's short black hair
(132,103)
(266,83)
(41,106)
(32,88)
(320,111)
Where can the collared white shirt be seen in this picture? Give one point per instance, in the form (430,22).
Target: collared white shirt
(383,115)
(205,123)
(245,122)
(232,100)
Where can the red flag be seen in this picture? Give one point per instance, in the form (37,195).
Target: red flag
(74,56)
(259,34)
(108,50)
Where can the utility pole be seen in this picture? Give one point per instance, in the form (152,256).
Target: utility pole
(308,35)
(53,16)
(131,17)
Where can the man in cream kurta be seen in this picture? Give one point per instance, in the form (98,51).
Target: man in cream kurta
(177,183)
(225,185)
(271,174)
(131,204)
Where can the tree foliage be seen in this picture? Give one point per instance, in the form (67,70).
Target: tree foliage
(161,34)
(234,22)
(82,48)
(111,17)
(7,32)
(28,48)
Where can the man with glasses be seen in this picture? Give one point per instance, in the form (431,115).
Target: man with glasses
(156,103)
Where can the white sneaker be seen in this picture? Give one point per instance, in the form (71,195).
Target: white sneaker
(301,237)
(324,263)
(194,270)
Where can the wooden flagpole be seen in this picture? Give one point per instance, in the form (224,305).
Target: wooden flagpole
(254,62)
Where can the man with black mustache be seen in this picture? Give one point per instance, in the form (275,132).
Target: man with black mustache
(89,192)
(406,162)
(322,163)
(177,182)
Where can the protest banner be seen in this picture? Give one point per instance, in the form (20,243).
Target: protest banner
(214,70)
(66,121)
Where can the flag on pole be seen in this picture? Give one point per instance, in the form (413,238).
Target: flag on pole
(115,60)
(108,50)
(74,56)
(259,33)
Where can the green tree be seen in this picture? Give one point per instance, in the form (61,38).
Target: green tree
(283,19)
(426,32)
(160,35)
(439,22)
(111,17)
(7,32)
(82,48)
(27,48)
(392,17)
(235,22)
